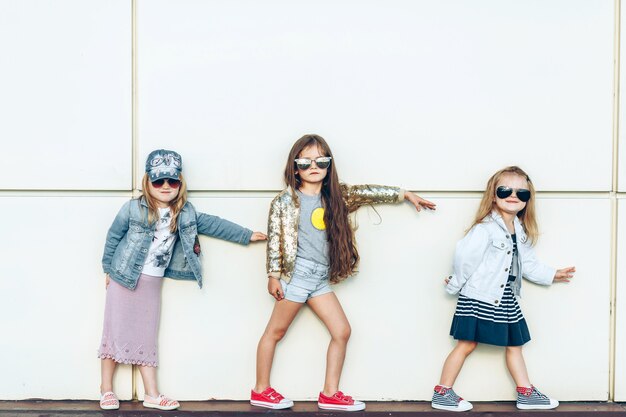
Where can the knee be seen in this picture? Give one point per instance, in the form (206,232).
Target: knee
(276,333)
(467,347)
(513,350)
(342,335)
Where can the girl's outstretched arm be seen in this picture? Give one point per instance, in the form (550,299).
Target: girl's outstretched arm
(418,201)
(564,274)
(359,195)
(535,271)
(217,227)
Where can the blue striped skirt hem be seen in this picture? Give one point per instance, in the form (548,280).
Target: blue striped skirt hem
(502,325)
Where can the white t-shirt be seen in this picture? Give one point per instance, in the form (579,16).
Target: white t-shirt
(160,251)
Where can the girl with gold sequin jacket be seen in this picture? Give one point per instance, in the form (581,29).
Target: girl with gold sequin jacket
(311,245)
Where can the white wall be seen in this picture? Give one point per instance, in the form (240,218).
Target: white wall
(66,94)
(432,95)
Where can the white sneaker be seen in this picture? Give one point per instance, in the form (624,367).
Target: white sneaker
(532,399)
(446,399)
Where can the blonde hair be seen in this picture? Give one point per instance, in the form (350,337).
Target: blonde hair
(526,216)
(176,205)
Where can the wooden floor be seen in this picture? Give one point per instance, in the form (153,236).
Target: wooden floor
(301,409)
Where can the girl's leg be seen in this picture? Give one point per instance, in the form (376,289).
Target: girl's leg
(148,375)
(283,314)
(517,366)
(328,309)
(107,369)
(455,360)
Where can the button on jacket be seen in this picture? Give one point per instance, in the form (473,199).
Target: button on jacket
(284,217)
(483,258)
(130,235)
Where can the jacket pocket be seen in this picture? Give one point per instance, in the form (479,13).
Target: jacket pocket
(500,244)
(136,232)
(189,227)
(497,256)
(488,269)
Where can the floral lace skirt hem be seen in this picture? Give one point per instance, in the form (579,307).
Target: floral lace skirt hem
(126,361)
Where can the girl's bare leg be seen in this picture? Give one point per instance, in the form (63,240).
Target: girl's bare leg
(517,366)
(329,310)
(107,369)
(455,360)
(282,316)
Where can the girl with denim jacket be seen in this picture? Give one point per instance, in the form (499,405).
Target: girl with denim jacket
(151,237)
(489,264)
(311,245)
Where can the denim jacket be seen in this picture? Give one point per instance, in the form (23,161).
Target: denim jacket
(284,217)
(130,235)
(483,258)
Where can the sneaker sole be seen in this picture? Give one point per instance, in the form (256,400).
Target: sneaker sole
(110,407)
(341,407)
(160,407)
(271,405)
(537,407)
(450,408)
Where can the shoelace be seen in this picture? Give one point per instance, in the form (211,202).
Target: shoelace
(448,392)
(342,397)
(541,395)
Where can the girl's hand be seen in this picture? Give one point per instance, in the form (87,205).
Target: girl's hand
(446,280)
(275,289)
(107,280)
(256,236)
(418,201)
(564,274)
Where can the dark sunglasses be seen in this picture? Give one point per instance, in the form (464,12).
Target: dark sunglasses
(322,162)
(522,193)
(159,183)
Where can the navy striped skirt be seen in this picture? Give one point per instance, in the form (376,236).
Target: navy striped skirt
(501,325)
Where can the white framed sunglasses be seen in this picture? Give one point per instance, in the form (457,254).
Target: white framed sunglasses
(322,162)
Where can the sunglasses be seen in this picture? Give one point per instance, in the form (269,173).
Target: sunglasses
(322,162)
(159,183)
(522,193)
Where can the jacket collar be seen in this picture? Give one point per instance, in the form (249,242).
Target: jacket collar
(144,203)
(519,229)
(294,196)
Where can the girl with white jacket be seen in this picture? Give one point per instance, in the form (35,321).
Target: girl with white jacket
(489,264)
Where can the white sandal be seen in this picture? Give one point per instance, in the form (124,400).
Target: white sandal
(109,401)
(161,402)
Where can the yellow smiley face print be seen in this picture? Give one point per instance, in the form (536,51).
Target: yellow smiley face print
(317,219)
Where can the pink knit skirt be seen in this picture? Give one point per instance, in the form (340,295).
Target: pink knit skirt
(131,322)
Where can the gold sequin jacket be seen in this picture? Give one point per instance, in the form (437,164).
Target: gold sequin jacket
(284,217)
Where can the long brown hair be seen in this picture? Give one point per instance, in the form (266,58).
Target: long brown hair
(176,205)
(526,216)
(342,252)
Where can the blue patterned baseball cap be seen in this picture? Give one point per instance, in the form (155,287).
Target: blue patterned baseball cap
(162,163)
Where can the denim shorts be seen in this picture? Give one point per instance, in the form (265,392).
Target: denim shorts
(309,279)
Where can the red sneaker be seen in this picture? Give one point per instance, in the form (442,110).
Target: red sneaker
(270,398)
(339,401)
